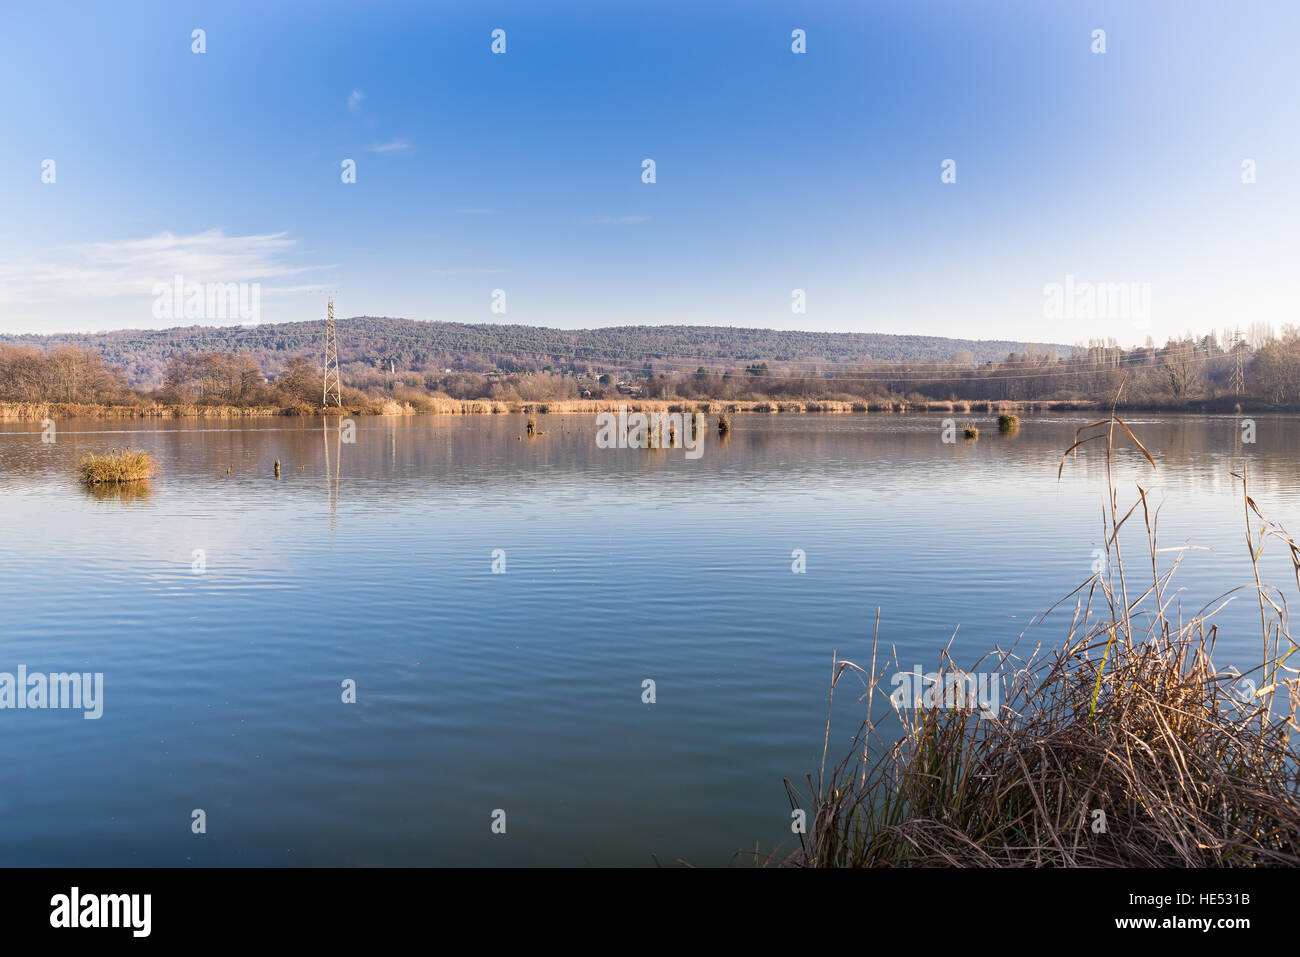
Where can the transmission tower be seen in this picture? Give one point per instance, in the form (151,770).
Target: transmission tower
(1238,383)
(333,385)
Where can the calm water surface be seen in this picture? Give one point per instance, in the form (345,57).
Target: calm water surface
(522,691)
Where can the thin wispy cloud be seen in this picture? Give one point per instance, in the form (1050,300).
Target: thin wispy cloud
(315,289)
(131,267)
(399,145)
(475,271)
(354,101)
(614,220)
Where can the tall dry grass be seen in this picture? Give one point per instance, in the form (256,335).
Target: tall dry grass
(116,467)
(37,411)
(1128,724)
(410,402)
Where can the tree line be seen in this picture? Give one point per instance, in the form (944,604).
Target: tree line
(431,347)
(1184,370)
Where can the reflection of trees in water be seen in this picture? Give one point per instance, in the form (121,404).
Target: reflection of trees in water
(125,493)
(1205,450)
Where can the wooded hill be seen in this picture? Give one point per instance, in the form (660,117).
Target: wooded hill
(368,341)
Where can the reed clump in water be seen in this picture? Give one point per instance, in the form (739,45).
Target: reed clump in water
(1008,424)
(724,424)
(117,466)
(969,431)
(1124,747)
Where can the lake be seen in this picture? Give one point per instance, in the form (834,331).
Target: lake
(226,608)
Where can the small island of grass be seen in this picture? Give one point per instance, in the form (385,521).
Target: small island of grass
(116,467)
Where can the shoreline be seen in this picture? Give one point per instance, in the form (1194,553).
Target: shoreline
(39,411)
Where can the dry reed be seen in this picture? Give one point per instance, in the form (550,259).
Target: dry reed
(1124,747)
(116,467)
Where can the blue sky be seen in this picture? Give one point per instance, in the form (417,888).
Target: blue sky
(775,171)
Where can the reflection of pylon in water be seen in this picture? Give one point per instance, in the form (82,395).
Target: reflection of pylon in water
(333,472)
(333,386)
(1238,383)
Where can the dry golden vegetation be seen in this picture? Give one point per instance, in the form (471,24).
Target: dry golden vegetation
(411,403)
(38,411)
(819,372)
(116,467)
(1128,723)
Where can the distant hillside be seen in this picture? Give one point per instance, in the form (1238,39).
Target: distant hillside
(424,346)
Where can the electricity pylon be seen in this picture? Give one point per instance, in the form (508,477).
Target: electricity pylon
(333,385)
(1238,383)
